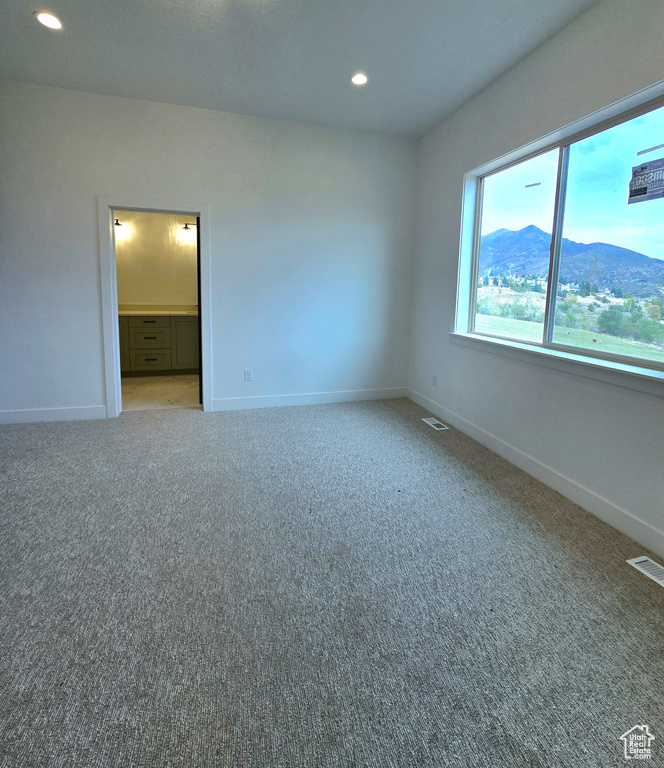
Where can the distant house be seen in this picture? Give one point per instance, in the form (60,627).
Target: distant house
(568,287)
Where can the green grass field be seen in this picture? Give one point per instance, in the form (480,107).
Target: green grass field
(525,331)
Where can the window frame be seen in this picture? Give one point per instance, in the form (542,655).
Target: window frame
(471,219)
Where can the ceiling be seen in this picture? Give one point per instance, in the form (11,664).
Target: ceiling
(288,59)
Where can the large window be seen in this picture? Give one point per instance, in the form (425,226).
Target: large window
(568,248)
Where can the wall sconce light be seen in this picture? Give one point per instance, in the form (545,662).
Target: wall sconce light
(186,235)
(123,232)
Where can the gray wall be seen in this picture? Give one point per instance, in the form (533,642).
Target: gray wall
(311,245)
(600,444)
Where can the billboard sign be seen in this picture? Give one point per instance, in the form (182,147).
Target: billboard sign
(647,181)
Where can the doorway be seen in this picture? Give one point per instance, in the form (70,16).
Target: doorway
(110,209)
(157,261)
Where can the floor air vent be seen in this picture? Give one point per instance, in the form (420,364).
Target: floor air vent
(439,425)
(652,569)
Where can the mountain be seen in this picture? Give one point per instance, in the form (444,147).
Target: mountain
(526,252)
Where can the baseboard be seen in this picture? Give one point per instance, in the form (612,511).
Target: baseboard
(311,398)
(617,517)
(30,416)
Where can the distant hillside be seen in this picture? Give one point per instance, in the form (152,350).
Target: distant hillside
(526,252)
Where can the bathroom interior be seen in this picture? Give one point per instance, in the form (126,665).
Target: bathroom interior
(158,295)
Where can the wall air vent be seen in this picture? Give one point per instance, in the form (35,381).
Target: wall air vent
(653,570)
(438,425)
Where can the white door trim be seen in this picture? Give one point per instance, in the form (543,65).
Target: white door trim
(109,289)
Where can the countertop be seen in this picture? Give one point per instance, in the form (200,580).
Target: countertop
(131,310)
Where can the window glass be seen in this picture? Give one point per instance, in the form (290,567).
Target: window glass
(610,292)
(514,249)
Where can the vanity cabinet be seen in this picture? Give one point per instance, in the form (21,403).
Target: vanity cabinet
(184,342)
(166,343)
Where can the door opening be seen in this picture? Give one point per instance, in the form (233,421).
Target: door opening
(158,273)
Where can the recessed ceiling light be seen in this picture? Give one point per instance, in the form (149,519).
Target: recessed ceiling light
(48,20)
(359,78)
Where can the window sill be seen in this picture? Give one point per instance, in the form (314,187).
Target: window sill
(631,377)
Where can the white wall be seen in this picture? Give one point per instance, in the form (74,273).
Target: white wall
(600,444)
(155,259)
(311,244)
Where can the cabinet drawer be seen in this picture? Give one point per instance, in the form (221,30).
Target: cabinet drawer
(142,338)
(150,321)
(152,360)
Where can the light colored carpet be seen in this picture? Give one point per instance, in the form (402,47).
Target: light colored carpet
(173,391)
(320,586)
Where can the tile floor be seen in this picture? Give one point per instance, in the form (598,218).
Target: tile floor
(175,391)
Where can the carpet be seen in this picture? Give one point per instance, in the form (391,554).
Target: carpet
(333,585)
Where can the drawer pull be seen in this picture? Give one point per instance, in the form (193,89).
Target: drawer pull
(149,321)
(149,337)
(150,359)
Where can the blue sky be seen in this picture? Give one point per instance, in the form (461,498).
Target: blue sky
(600,169)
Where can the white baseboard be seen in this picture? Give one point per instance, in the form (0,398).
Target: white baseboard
(311,398)
(32,415)
(617,517)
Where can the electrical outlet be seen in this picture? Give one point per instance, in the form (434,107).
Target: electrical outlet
(434,380)
(248,375)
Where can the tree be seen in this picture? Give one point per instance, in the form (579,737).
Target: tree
(629,304)
(645,330)
(654,312)
(570,299)
(611,321)
(572,319)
